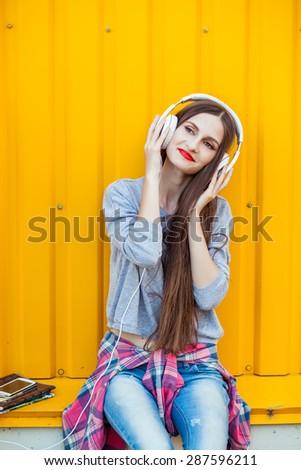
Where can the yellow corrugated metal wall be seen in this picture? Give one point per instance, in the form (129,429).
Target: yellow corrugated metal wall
(80,83)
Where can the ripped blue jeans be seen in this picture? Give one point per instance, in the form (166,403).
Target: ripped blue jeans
(199,413)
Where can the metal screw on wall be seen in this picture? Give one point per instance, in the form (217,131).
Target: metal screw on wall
(108,29)
(61,371)
(248,367)
(60,206)
(205,30)
(249,205)
(9,26)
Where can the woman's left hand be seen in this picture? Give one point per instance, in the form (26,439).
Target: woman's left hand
(217,184)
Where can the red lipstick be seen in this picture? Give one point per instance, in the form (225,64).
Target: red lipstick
(186,155)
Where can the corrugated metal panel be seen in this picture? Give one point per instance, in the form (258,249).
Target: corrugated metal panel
(80,83)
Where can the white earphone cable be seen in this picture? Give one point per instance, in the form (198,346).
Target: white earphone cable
(87,404)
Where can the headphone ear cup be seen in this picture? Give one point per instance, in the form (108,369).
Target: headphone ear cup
(224,161)
(171,122)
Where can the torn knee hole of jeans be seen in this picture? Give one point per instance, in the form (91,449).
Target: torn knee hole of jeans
(195,422)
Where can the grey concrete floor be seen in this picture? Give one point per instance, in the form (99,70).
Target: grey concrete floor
(271,437)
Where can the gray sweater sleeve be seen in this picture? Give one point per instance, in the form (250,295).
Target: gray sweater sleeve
(137,238)
(210,296)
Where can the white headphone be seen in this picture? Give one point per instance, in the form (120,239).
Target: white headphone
(172,121)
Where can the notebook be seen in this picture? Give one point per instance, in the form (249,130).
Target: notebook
(39,391)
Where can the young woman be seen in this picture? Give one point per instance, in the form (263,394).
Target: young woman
(158,373)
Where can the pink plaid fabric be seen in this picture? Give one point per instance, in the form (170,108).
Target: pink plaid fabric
(84,424)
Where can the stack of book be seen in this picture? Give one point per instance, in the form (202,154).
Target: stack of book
(16,391)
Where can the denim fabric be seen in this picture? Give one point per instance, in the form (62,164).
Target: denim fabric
(200,410)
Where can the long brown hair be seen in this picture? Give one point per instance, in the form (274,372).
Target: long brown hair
(177,325)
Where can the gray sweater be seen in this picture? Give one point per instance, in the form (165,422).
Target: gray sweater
(137,244)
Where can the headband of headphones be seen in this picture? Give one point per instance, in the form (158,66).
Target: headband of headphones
(172,122)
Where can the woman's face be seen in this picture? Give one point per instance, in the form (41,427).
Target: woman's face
(195,142)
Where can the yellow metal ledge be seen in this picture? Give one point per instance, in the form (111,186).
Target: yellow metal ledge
(274,400)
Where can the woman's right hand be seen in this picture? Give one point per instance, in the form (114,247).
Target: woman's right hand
(152,147)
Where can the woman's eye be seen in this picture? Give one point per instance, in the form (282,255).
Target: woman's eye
(188,129)
(208,144)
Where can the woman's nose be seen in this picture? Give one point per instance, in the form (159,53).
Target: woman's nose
(193,145)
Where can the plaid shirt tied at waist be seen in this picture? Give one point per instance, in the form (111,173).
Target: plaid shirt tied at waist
(84,424)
